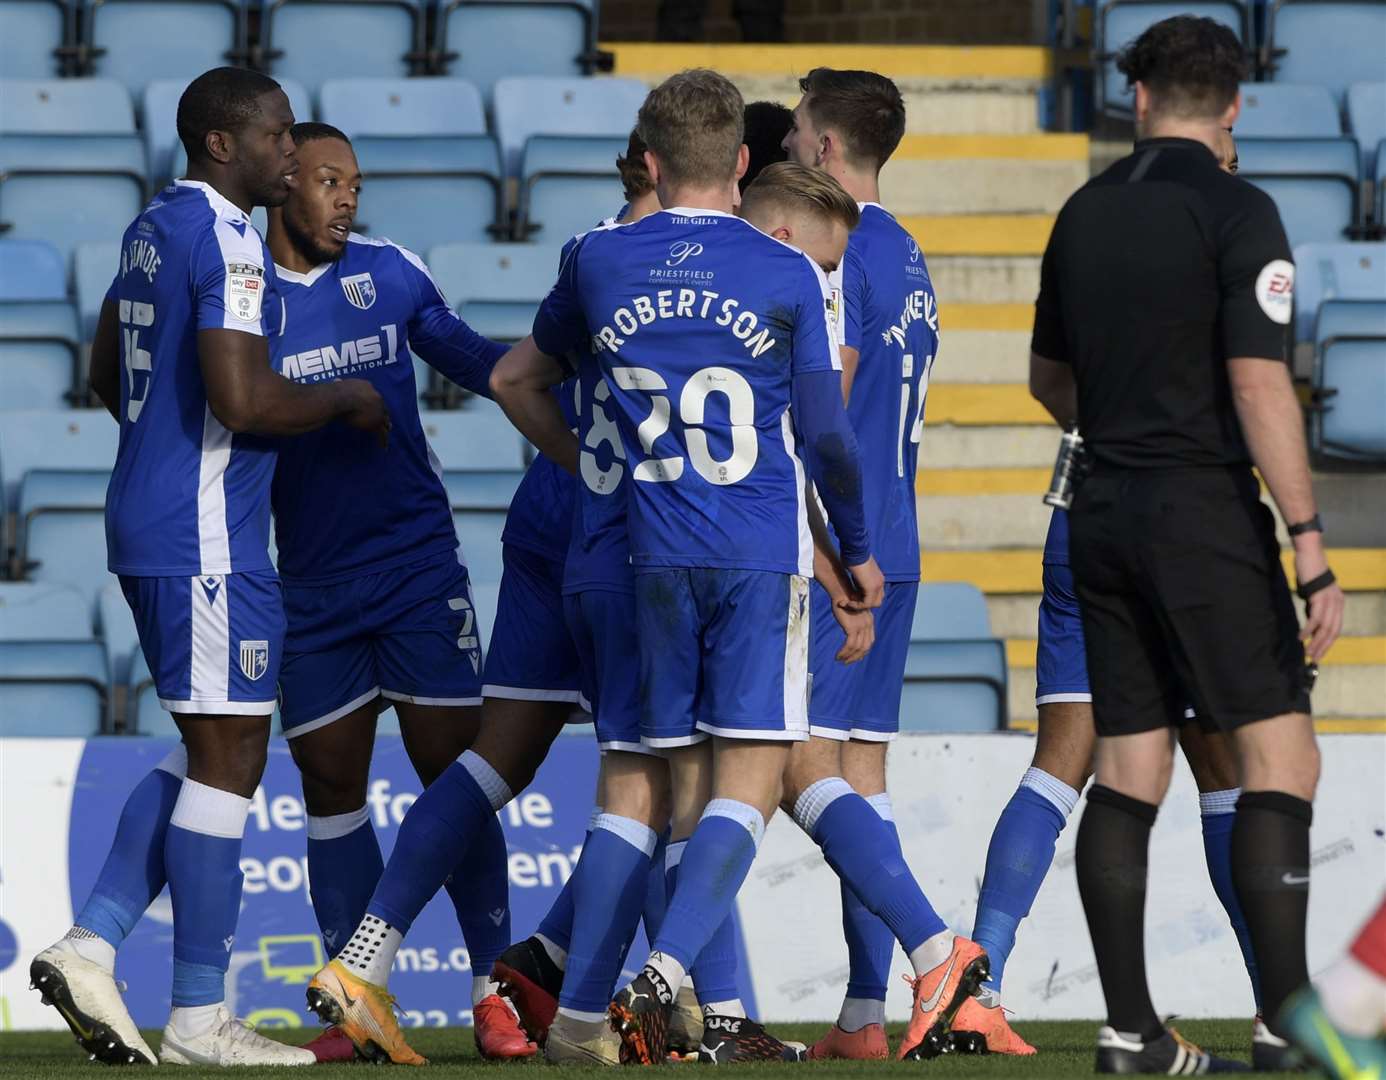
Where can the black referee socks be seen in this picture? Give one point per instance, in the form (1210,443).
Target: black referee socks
(1270,869)
(1113,846)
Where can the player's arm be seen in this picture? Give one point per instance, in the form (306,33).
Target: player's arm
(829,572)
(443,340)
(522,385)
(1053,386)
(851,276)
(1256,280)
(1051,379)
(247,396)
(105,358)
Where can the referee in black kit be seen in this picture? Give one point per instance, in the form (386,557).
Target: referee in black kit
(1162,330)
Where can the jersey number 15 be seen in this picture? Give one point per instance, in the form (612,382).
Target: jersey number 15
(134,316)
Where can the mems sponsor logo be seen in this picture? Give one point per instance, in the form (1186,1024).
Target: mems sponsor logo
(347,358)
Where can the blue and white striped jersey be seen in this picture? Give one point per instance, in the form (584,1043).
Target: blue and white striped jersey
(187,496)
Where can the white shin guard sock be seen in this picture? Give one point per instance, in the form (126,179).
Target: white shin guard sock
(858,1013)
(931,952)
(371,950)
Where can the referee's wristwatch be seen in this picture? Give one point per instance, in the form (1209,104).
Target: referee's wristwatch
(1299,528)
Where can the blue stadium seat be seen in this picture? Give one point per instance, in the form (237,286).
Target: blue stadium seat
(1287,111)
(61,530)
(117,626)
(1314,183)
(568,185)
(1119,22)
(538,105)
(35,38)
(168,39)
(481,454)
(65,107)
(1366,112)
(1333,43)
(143,713)
(159,116)
(40,350)
(317,40)
(487,41)
(424,191)
(70,189)
(52,673)
(1350,379)
(1338,271)
(496,288)
(402,107)
(955,673)
(31,270)
(93,270)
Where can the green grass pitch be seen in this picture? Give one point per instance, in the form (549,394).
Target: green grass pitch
(1065,1049)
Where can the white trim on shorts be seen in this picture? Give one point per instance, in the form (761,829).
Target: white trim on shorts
(336,714)
(790,735)
(524,693)
(1050,699)
(674,742)
(836,734)
(630,748)
(866,735)
(218,708)
(411,699)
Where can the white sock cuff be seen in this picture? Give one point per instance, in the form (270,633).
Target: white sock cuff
(880,802)
(744,814)
(335,826)
(1063,797)
(816,798)
(209,810)
(1218,802)
(175,762)
(635,833)
(673,853)
(592,817)
(496,789)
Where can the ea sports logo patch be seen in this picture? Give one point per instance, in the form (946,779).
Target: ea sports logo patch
(359,290)
(1275,290)
(254,659)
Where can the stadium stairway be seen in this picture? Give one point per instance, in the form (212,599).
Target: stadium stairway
(977,182)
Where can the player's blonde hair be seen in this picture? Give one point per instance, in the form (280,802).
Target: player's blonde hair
(693,124)
(801,189)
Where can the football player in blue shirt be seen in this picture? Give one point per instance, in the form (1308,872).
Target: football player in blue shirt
(376,591)
(679,308)
(848,123)
(181,359)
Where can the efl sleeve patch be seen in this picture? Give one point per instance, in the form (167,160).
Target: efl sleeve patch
(245,290)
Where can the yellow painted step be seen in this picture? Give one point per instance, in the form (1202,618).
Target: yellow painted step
(1347,651)
(1038,147)
(986,404)
(981,481)
(1324,725)
(652,60)
(1017,318)
(1358,569)
(981,234)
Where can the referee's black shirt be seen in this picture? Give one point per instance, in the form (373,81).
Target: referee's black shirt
(1158,271)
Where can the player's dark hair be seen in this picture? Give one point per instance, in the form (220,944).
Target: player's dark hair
(223,99)
(312,131)
(864,109)
(1192,66)
(767,123)
(635,178)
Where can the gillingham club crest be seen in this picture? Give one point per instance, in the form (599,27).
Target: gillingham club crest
(360,290)
(254,659)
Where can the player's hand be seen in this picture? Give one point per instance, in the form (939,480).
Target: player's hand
(869,582)
(366,409)
(1324,609)
(860,628)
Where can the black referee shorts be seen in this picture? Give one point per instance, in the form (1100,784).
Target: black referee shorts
(1179,579)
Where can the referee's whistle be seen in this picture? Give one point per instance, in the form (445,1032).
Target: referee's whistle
(1060,493)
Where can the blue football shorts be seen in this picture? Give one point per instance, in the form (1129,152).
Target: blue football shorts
(861,700)
(1061,665)
(406,634)
(532,656)
(722,652)
(214,642)
(602,624)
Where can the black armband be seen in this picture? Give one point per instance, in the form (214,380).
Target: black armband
(1308,588)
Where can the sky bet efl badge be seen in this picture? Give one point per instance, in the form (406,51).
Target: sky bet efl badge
(245,288)
(360,290)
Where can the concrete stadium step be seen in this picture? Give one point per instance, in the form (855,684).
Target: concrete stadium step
(1006,235)
(956,446)
(982,279)
(985,405)
(947,89)
(984,174)
(984,343)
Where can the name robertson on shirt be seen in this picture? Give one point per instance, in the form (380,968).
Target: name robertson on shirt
(328,361)
(684,304)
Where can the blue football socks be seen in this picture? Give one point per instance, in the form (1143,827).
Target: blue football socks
(1018,858)
(656,892)
(609,888)
(870,943)
(202,852)
(479,888)
(1218,810)
(556,927)
(344,864)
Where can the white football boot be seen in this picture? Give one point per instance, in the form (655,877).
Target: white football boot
(230,1041)
(87,997)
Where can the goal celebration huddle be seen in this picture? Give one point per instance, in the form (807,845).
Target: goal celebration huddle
(715,559)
